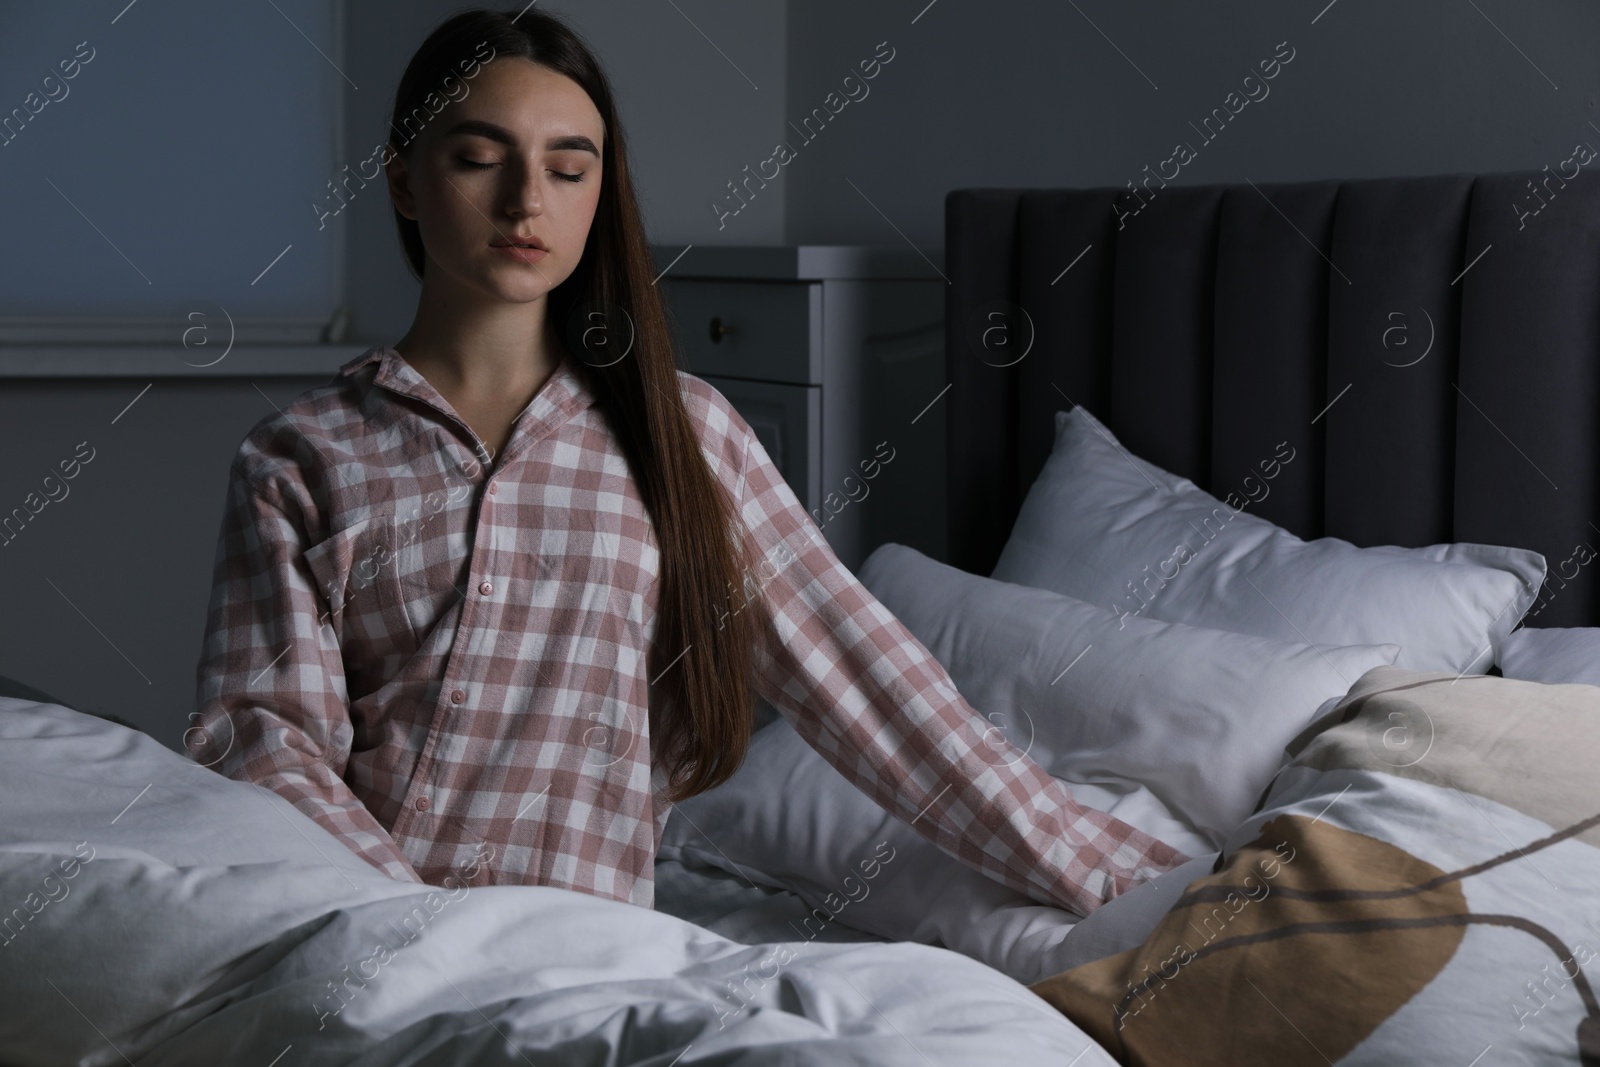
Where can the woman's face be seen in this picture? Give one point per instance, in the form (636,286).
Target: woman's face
(517,158)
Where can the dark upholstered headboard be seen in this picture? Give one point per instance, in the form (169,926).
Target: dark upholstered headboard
(1452,323)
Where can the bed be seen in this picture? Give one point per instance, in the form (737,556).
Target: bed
(1363,697)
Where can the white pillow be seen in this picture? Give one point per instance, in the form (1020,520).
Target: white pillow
(1174,729)
(1103,525)
(1552,654)
(1199,717)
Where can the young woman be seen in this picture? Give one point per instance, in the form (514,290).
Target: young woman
(496,596)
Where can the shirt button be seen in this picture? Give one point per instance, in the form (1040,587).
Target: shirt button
(458,696)
(422,803)
(486,588)
(494,487)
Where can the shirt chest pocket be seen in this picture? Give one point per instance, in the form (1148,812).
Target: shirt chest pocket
(359,574)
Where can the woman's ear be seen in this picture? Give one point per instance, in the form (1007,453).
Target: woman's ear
(399,181)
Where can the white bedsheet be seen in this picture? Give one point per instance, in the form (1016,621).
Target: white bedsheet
(742,911)
(204,921)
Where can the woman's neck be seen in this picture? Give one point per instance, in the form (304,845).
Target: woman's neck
(480,351)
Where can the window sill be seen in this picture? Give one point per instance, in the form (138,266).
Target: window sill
(112,360)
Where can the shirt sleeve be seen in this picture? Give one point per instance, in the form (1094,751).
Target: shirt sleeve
(871,699)
(273,706)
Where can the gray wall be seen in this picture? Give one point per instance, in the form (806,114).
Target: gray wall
(200,135)
(105,589)
(1032,94)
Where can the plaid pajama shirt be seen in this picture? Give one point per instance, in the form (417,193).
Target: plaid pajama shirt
(440,658)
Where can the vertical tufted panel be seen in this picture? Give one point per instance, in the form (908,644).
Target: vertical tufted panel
(980,430)
(1528,411)
(1393,336)
(1269,371)
(1161,363)
(1066,269)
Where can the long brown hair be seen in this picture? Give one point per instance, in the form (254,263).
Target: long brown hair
(703,730)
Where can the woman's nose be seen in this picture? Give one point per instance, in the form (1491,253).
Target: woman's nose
(524,196)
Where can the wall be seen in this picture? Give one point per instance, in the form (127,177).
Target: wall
(1088,93)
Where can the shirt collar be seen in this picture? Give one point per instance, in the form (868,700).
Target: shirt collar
(559,399)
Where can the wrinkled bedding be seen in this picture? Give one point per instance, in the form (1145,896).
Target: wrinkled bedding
(741,910)
(152,911)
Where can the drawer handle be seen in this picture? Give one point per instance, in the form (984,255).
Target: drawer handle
(718,329)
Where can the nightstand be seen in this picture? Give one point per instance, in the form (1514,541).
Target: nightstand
(834,354)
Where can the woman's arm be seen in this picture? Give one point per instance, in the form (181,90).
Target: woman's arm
(273,704)
(862,691)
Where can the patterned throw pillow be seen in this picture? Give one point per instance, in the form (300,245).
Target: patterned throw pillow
(1418,886)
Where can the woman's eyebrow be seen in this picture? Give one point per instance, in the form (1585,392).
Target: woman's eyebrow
(572,142)
(479,128)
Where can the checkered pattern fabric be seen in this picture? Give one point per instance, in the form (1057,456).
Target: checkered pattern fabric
(441,658)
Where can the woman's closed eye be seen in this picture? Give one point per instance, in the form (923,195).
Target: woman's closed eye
(479,165)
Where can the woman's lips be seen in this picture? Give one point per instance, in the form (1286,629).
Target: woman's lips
(522,254)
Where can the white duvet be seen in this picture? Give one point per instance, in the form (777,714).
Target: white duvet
(153,912)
